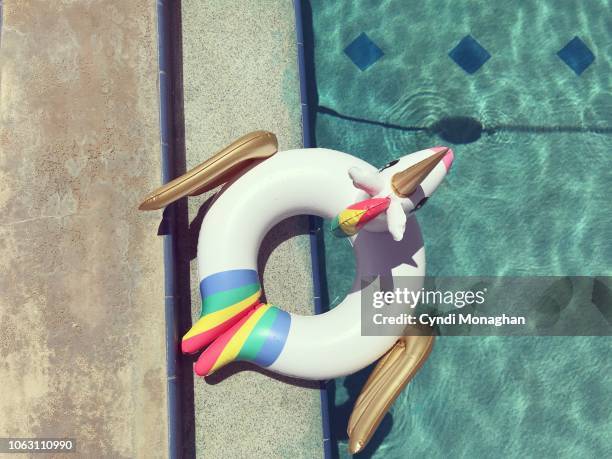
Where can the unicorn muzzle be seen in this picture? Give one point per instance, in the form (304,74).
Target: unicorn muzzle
(407,191)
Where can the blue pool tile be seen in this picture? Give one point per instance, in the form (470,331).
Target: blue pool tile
(363,51)
(576,55)
(469,54)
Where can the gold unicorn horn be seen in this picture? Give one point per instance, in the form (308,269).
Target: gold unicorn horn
(404,183)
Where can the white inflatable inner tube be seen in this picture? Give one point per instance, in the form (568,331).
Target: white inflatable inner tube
(236,325)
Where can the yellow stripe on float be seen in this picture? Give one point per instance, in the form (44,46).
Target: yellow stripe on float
(348,220)
(216,318)
(232,349)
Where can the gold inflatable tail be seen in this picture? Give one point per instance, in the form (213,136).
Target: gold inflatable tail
(391,374)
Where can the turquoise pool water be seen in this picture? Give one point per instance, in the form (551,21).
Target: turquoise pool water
(533,198)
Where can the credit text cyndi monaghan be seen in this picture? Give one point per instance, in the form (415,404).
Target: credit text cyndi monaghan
(450,319)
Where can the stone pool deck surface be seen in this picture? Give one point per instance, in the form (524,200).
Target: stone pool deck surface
(239,75)
(82,306)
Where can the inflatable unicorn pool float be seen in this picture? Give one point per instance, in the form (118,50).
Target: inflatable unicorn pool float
(372,207)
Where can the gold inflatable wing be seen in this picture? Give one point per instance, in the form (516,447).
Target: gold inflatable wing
(215,170)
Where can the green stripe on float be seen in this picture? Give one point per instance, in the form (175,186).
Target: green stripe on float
(222,300)
(336,228)
(258,336)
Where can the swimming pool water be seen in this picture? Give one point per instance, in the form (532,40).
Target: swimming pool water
(533,198)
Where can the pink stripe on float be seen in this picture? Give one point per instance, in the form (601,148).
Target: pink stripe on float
(448,159)
(210,355)
(197,342)
(437,149)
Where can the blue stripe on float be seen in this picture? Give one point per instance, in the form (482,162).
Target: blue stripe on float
(227,280)
(275,342)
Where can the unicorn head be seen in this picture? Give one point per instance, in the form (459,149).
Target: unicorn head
(395,191)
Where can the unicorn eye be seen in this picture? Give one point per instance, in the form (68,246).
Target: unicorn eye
(392,163)
(420,204)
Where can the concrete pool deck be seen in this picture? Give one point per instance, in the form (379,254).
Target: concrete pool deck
(240,74)
(82,279)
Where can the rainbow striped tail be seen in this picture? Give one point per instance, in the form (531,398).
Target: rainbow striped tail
(234,324)
(227,297)
(258,337)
